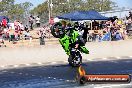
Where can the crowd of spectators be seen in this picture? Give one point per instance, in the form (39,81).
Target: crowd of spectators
(19,31)
(111,30)
(16,31)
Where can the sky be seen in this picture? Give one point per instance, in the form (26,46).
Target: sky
(120,3)
(123,3)
(34,2)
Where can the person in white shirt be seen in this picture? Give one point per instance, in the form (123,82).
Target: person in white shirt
(38,21)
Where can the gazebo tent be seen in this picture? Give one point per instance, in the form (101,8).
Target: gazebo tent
(83,15)
(1,17)
(95,15)
(73,16)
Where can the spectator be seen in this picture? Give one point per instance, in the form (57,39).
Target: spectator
(128,23)
(12,36)
(85,33)
(41,34)
(17,31)
(130,15)
(4,22)
(1,38)
(27,35)
(26,28)
(31,18)
(48,32)
(21,27)
(118,36)
(51,21)
(38,21)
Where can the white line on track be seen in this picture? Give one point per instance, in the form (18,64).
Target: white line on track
(12,72)
(127,61)
(2,66)
(54,78)
(89,59)
(20,73)
(112,61)
(33,75)
(130,56)
(27,64)
(39,63)
(113,85)
(53,62)
(4,71)
(127,71)
(65,61)
(26,74)
(67,80)
(118,57)
(97,87)
(16,66)
(104,58)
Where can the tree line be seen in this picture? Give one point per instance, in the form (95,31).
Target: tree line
(15,11)
(64,6)
(22,10)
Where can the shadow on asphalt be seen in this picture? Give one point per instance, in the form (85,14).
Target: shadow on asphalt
(64,72)
(67,72)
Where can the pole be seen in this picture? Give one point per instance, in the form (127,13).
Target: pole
(68,5)
(102,5)
(51,5)
(91,25)
(49,9)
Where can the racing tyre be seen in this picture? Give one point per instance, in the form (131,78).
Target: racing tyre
(75,60)
(53,28)
(82,80)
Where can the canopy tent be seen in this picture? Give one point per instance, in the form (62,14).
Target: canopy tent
(83,15)
(2,17)
(73,16)
(95,15)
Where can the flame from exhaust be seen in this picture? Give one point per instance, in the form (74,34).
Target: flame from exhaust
(81,71)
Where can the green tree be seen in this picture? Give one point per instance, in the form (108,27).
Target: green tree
(42,11)
(5,5)
(26,6)
(65,6)
(14,11)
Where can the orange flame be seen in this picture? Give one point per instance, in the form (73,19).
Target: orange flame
(81,71)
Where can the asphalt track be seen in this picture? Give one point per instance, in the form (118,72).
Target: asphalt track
(62,75)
